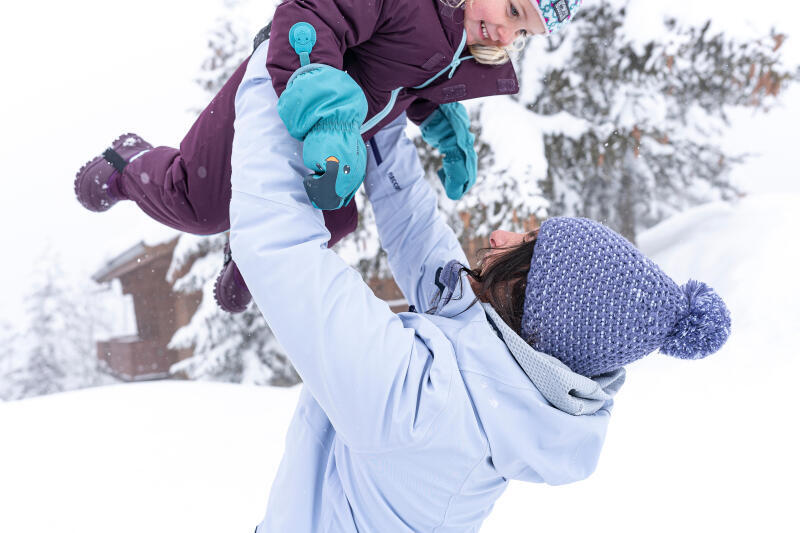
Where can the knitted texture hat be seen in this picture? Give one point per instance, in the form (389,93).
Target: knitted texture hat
(556,13)
(596,303)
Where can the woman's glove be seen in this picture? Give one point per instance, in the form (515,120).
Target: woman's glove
(447,130)
(323,107)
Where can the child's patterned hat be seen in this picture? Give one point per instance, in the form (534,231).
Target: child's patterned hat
(556,14)
(596,303)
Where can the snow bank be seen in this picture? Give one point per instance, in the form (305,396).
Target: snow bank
(155,457)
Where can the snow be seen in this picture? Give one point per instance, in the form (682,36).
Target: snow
(693,445)
(157,457)
(699,445)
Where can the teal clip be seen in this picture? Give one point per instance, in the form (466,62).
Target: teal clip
(303,37)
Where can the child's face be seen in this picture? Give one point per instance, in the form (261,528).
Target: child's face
(499,22)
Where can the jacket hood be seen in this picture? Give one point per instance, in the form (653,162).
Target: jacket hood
(531,421)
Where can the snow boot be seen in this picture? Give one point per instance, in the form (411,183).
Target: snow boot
(230,290)
(97,183)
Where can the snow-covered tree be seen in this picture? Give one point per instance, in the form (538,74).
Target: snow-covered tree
(57,350)
(622,131)
(632,131)
(239,347)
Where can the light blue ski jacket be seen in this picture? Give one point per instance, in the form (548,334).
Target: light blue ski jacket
(411,422)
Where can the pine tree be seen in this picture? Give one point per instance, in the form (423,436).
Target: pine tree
(226,347)
(632,130)
(604,127)
(57,351)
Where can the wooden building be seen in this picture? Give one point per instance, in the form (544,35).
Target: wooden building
(159,312)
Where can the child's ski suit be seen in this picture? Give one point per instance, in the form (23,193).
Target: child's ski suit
(382,44)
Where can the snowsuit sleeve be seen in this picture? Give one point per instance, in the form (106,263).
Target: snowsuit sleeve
(339,24)
(380,383)
(420,109)
(412,230)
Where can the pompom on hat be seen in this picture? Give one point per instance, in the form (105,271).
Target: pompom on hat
(596,303)
(556,14)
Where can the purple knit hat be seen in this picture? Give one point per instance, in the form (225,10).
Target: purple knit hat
(597,303)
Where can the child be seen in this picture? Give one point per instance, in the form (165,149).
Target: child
(335,64)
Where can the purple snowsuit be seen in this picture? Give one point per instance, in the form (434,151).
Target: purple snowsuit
(381,44)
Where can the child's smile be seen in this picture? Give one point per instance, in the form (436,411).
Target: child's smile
(500,22)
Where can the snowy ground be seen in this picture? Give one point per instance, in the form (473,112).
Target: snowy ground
(705,445)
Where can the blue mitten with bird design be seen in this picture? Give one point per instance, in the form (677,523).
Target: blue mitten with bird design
(323,107)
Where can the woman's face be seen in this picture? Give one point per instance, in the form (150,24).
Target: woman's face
(500,241)
(499,22)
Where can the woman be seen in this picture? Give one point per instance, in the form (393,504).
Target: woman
(416,422)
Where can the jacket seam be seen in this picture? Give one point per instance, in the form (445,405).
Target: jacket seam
(461,487)
(314,431)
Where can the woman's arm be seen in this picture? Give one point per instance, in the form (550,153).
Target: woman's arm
(380,383)
(412,230)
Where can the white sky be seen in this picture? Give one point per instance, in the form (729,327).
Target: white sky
(79,73)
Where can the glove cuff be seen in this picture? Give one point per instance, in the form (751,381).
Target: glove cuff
(333,124)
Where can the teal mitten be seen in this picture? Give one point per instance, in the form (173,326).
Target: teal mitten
(323,107)
(447,130)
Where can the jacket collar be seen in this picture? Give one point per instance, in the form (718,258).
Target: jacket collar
(452,21)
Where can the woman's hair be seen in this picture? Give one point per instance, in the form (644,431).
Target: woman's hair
(489,55)
(503,280)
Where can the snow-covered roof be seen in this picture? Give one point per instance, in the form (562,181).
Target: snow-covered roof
(135,256)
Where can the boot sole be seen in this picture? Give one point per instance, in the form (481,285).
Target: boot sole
(116,145)
(77,185)
(233,310)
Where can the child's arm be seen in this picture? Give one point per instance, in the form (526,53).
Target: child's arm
(412,230)
(420,109)
(339,25)
(321,104)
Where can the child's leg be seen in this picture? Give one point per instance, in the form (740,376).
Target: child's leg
(341,222)
(190,189)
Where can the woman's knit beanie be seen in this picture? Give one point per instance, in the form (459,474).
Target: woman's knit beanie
(597,303)
(556,14)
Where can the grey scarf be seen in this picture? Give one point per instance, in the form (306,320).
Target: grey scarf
(570,392)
